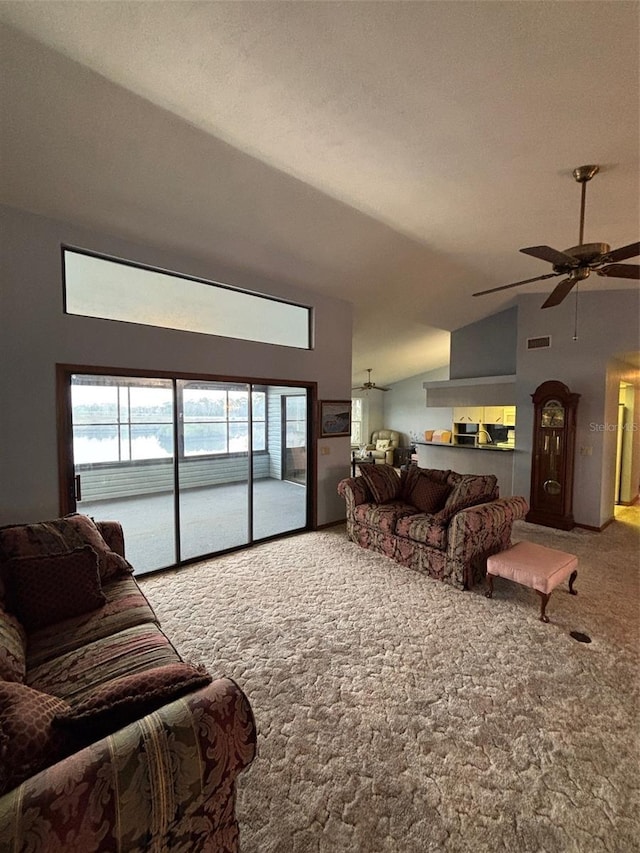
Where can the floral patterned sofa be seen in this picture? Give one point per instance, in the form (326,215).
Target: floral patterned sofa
(108,739)
(439,522)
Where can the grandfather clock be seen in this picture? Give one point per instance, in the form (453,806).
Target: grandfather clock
(554,436)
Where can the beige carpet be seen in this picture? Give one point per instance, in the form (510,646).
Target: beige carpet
(398,714)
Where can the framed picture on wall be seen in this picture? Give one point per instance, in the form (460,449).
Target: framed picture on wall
(335,418)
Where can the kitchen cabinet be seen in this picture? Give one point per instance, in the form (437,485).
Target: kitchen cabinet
(509,416)
(501,415)
(493,415)
(468,414)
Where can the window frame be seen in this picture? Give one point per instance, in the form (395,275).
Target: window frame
(254,294)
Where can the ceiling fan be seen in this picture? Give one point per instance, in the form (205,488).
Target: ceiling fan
(369,385)
(578,262)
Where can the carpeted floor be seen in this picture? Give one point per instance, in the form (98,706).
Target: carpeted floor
(399,715)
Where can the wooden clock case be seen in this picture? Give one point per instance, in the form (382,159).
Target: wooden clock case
(554,435)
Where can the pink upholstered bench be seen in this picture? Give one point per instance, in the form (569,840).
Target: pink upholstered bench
(534,566)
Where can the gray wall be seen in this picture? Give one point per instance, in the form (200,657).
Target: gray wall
(35,334)
(405,408)
(609,324)
(485,348)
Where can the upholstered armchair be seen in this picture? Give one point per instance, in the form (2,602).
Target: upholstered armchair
(383,453)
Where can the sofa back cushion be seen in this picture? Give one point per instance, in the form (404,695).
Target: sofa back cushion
(13,647)
(383,482)
(28,740)
(59,537)
(411,473)
(49,589)
(471,489)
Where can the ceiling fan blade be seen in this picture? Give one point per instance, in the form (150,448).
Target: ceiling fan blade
(559,293)
(620,271)
(624,252)
(546,253)
(517,283)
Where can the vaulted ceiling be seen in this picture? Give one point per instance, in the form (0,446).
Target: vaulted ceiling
(393,154)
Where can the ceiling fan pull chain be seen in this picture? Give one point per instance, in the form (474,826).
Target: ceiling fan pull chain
(575,320)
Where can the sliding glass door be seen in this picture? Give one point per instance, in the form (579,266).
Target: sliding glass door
(189,467)
(213,467)
(123,456)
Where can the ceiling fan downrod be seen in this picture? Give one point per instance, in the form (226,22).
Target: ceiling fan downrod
(583,174)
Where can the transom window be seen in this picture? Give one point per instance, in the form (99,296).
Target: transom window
(114,289)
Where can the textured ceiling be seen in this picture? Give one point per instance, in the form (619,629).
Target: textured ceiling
(394,154)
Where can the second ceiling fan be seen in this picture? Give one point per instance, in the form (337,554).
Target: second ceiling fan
(369,385)
(578,262)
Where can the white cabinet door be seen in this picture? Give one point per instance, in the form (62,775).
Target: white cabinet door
(493,415)
(467,414)
(509,415)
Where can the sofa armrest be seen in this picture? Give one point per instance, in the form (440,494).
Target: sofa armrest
(165,782)
(113,535)
(355,492)
(479,531)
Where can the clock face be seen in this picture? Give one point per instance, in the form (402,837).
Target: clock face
(552,414)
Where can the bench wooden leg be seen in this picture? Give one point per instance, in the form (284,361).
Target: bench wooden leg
(572,579)
(544,598)
(489,591)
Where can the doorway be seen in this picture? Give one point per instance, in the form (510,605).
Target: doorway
(186,465)
(624,491)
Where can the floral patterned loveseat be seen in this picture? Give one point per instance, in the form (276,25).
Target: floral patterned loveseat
(439,522)
(109,741)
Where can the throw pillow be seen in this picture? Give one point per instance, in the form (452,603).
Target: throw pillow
(382,444)
(472,489)
(410,475)
(383,482)
(123,700)
(46,590)
(13,645)
(59,537)
(28,741)
(427,494)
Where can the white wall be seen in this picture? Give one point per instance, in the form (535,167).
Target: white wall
(35,334)
(608,324)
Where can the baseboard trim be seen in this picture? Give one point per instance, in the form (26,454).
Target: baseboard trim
(629,503)
(594,528)
(331,524)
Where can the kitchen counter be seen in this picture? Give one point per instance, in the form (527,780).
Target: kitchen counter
(467,446)
(484,459)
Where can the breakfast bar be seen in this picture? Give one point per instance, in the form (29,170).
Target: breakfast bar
(483,459)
